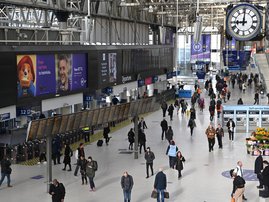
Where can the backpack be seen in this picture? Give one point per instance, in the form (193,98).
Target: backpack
(95,165)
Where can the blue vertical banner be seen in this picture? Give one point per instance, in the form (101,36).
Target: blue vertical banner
(201,51)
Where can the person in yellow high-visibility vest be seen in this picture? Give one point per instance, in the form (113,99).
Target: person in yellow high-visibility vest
(86,133)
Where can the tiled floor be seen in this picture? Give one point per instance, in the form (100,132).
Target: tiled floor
(201,182)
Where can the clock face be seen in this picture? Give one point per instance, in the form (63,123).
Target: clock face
(243,22)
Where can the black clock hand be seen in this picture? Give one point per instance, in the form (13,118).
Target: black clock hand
(244,17)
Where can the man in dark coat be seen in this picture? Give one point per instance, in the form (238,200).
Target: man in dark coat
(5,171)
(265,175)
(164,126)
(57,191)
(106,131)
(164,108)
(160,184)
(127,184)
(258,167)
(149,156)
(142,140)
(171,111)
(169,134)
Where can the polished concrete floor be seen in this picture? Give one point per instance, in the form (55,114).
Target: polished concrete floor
(202,179)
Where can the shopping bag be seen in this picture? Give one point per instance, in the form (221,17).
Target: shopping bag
(154,194)
(166,194)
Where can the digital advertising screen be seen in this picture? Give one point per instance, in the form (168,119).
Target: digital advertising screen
(108,68)
(50,74)
(201,51)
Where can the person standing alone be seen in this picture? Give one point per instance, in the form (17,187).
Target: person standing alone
(164,108)
(258,167)
(106,131)
(164,126)
(79,152)
(127,184)
(91,168)
(230,125)
(149,156)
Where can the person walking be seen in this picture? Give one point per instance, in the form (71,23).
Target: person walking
(83,164)
(127,184)
(57,191)
(219,109)
(179,163)
(192,113)
(42,152)
(258,167)
(56,150)
(169,134)
(191,124)
(67,157)
(212,112)
(91,168)
(176,104)
(131,138)
(238,187)
(239,172)
(201,103)
(79,152)
(256,98)
(142,124)
(231,125)
(211,132)
(149,157)
(106,131)
(172,153)
(160,184)
(5,170)
(220,135)
(171,111)
(164,107)
(164,126)
(142,140)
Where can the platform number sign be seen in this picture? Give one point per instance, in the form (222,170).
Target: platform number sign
(244,22)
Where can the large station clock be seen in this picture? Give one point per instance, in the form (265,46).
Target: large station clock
(243,22)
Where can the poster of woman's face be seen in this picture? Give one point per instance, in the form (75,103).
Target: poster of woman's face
(112,65)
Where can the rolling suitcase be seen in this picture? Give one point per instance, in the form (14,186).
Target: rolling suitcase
(100,143)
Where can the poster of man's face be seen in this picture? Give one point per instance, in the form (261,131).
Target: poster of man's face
(63,72)
(112,65)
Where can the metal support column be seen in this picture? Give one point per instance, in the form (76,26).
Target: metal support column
(135,119)
(49,161)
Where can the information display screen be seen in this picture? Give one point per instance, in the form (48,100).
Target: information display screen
(83,119)
(106,115)
(33,130)
(77,120)
(95,117)
(101,116)
(64,124)
(49,126)
(70,122)
(112,113)
(56,125)
(41,129)
(89,118)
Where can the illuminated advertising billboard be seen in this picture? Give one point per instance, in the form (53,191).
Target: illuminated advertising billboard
(50,74)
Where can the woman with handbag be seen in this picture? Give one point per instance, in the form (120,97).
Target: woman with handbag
(179,163)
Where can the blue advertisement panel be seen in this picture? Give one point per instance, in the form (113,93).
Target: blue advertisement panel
(236,60)
(201,51)
(49,74)
(79,70)
(45,72)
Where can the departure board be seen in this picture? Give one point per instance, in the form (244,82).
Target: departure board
(56,125)
(63,125)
